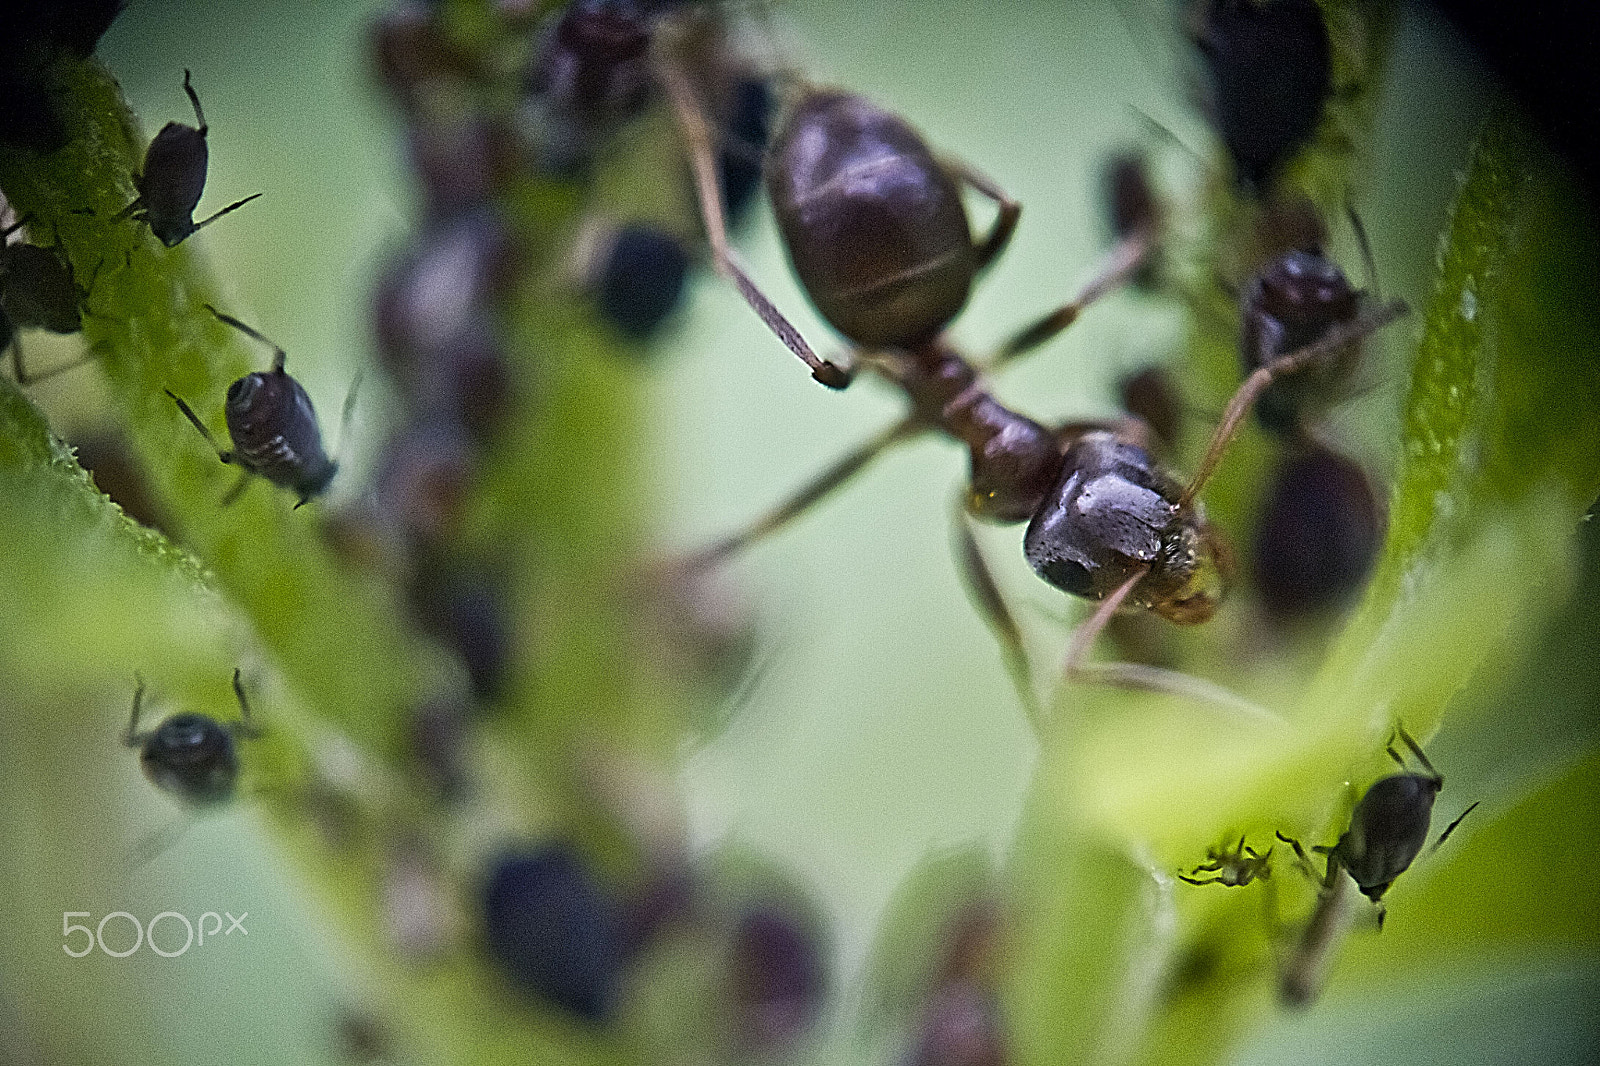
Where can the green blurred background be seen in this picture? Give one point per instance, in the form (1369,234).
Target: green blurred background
(884,727)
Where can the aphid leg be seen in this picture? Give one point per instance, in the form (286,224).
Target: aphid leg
(247,724)
(1302,860)
(194,420)
(1254,385)
(1120,263)
(347,415)
(231,207)
(24,378)
(236,490)
(1416,749)
(199,116)
(702,157)
(1368,264)
(1206,881)
(1005,223)
(278,355)
(1451,828)
(1141,676)
(991,604)
(781,515)
(131,736)
(138,202)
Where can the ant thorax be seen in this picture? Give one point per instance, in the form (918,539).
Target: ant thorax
(1114,512)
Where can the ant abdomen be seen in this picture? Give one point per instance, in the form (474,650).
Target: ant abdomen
(1113,513)
(873,223)
(1290,304)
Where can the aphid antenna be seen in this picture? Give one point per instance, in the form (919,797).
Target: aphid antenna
(199,115)
(1416,750)
(1369,263)
(1451,828)
(247,726)
(131,736)
(279,357)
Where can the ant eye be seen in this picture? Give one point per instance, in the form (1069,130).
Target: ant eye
(1068,576)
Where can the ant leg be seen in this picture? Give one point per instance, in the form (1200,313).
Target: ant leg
(131,736)
(1451,828)
(199,116)
(1254,385)
(1119,264)
(1005,223)
(785,512)
(278,354)
(692,123)
(231,207)
(247,724)
(1140,676)
(991,604)
(194,420)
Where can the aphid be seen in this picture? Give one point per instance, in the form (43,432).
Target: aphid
(174,178)
(38,290)
(273,427)
(1318,534)
(461,162)
(876,230)
(109,459)
(554,931)
(1133,209)
(747,128)
(409,49)
(33,35)
(641,279)
(961,1026)
(1234,867)
(464,609)
(1388,829)
(1271,78)
(1294,302)
(777,977)
(192,756)
(1151,396)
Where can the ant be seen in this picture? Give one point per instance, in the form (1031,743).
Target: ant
(876,230)
(1234,867)
(173,179)
(1388,829)
(192,756)
(273,427)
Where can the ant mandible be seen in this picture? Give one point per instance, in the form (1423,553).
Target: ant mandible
(876,230)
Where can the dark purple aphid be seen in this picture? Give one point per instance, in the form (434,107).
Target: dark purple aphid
(465,611)
(273,427)
(192,756)
(961,1026)
(460,163)
(1293,302)
(1319,533)
(641,279)
(1271,78)
(1151,396)
(109,459)
(777,977)
(592,74)
(38,290)
(746,130)
(553,930)
(174,178)
(410,49)
(1133,209)
(428,470)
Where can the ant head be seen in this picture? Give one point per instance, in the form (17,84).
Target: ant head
(1202,564)
(193,757)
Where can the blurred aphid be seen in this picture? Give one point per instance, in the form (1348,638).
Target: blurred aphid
(35,35)
(1388,830)
(640,279)
(591,73)
(1151,396)
(437,733)
(777,977)
(38,290)
(428,470)
(410,49)
(462,608)
(1295,301)
(174,178)
(1234,867)
(696,622)
(1133,208)
(961,1026)
(1271,77)
(553,930)
(360,1037)
(460,162)
(746,128)
(109,458)
(192,756)
(273,427)
(1319,533)
(434,323)
(418,913)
